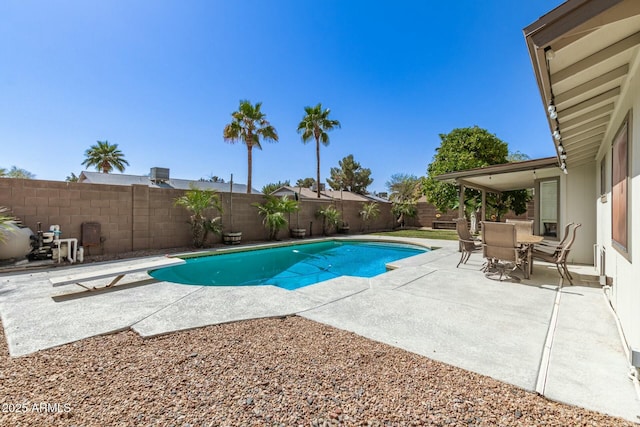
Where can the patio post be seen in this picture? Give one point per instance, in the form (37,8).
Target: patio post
(461,202)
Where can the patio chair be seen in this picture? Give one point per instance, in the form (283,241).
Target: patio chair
(550,246)
(468,244)
(522,226)
(501,249)
(559,256)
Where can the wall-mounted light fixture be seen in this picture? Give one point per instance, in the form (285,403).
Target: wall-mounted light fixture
(551,109)
(549,53)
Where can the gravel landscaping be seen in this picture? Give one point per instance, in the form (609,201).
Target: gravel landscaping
(286,371)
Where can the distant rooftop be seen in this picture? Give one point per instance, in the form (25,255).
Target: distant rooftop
(179,184)
(308,193)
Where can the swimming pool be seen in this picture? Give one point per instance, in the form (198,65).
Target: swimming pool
(289,267)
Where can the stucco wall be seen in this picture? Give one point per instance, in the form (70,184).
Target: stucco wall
(625,271)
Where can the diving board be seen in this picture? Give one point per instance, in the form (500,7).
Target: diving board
(116,271)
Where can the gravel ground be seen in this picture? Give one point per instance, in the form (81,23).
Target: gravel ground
(268,372)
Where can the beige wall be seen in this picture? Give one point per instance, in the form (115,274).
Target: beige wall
(624,269)
(139,217)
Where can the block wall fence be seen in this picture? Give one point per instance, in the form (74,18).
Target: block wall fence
(139,217)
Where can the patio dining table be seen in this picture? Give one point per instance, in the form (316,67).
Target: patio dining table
(526,241)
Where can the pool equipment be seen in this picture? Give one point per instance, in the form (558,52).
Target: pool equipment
(42,244)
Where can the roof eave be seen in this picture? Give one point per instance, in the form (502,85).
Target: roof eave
(500,169)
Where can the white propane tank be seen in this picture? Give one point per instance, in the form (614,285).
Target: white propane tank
(16,241)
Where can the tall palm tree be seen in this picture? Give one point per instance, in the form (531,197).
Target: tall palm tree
(249,126)
(315,124)
(105,157)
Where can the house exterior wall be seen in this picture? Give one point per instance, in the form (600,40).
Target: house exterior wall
(578,192)
(625,271)
(140,217)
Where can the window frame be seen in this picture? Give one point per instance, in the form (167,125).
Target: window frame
(620,186)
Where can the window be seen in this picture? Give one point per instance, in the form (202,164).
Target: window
(620,203)
(547,207)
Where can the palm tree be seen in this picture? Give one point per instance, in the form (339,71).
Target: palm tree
(273,211)
(369,211)
(315,124)
(197,201)
(16,172)
(249,125)
(105,157)
(330,218)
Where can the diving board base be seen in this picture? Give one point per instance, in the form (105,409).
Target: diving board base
(115,272)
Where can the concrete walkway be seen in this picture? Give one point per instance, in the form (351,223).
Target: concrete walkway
(560,342)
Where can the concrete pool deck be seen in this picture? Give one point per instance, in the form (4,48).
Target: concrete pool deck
(561,342)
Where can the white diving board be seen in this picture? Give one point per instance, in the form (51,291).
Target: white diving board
(115,271)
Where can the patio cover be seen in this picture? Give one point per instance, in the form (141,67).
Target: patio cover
(503,177)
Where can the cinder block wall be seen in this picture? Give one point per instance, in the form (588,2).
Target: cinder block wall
(139,217)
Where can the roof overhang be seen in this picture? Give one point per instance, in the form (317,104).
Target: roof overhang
(504,177)
(583,53)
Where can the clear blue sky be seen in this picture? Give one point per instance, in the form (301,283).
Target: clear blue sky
(161,78)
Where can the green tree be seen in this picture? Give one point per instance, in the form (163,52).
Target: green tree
(369,212)
(462,149)
(105,157)
(404,209)
(517,156)
(197,201)
(271,187)
(305,182)
(249,126)
(212,178)
(315,125)
(72,178)
(330,218)
(350,176)
(403,187)
(404,192)
(500,204)
(16,172)
(273,211)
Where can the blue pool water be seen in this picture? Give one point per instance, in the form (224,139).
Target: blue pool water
(288,267)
